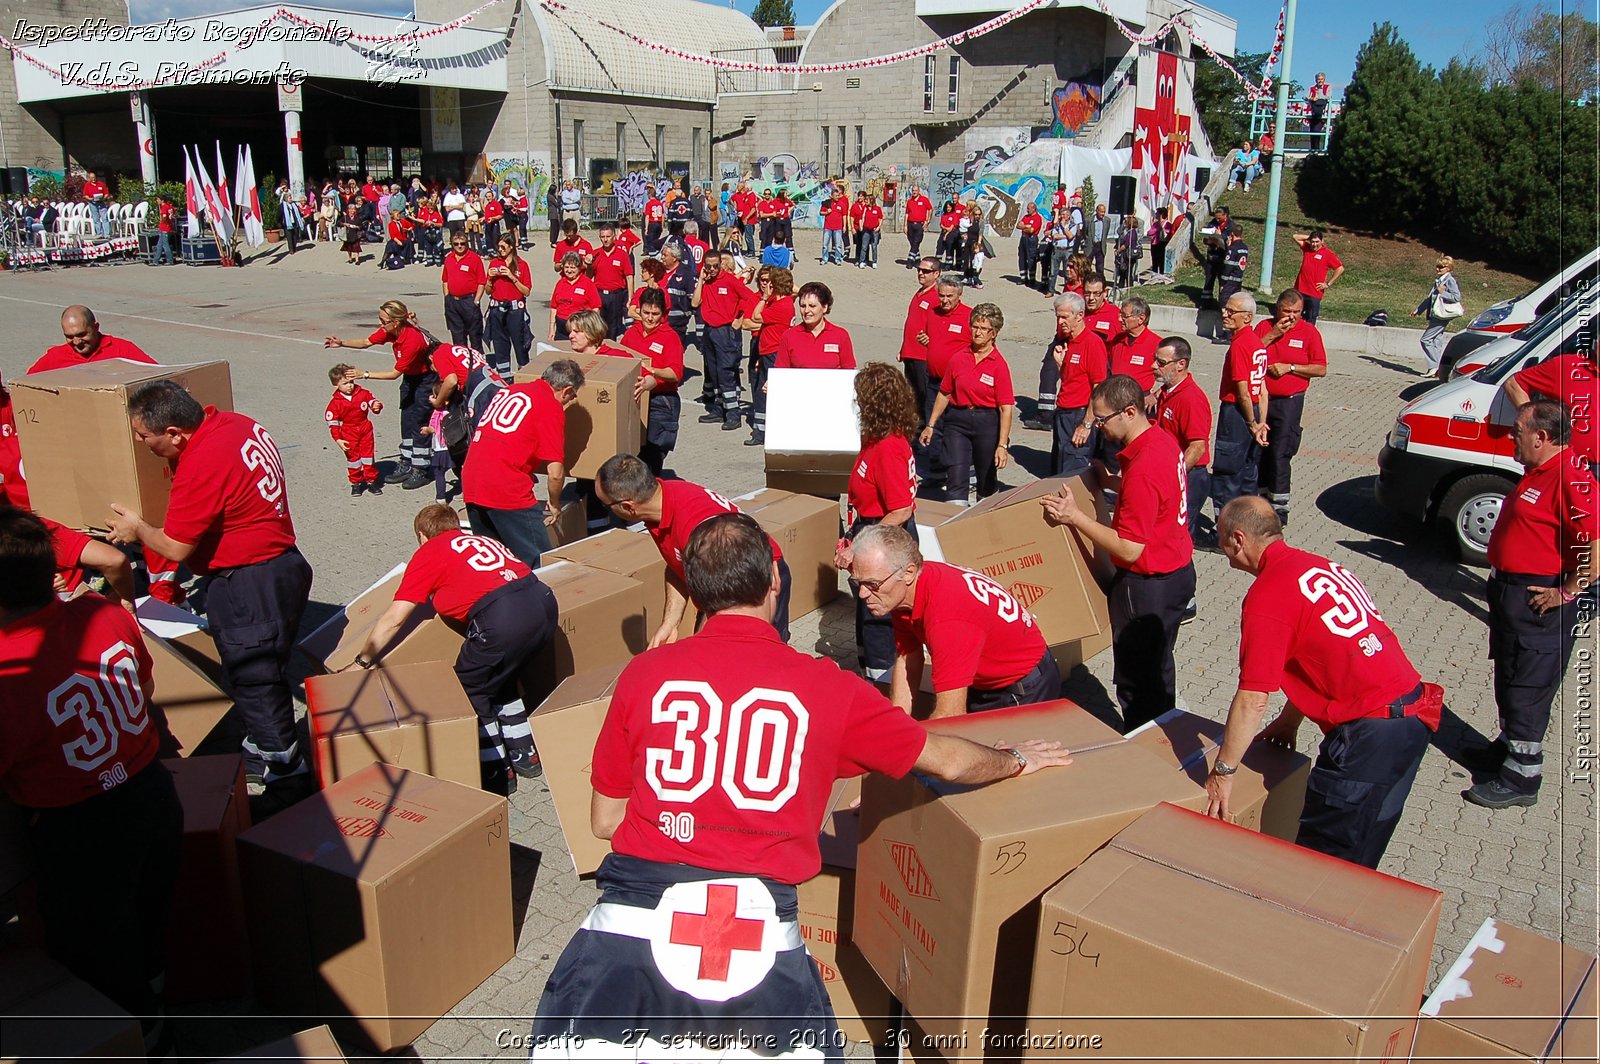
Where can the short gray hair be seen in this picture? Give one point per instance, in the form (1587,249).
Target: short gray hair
(1245,300)
(952,280)
(1072,301)
(1138,305)
(896,544)
(563,373)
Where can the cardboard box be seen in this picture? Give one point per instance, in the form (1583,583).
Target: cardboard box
(1269,790)
(46,1014)
(602,623)
(948,877)
(813,430)
(78,447)
(192,704)
(605,420)
(1512,995)
(1005,537)
(208,950)
(185,632)
(314,1044)
(807,531)
(379,903)
(1190,938)
(425,637)
(412,716)
(572,523)
(565,727)
(626,553)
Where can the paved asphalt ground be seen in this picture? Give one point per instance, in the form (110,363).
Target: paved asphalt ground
(1535,868)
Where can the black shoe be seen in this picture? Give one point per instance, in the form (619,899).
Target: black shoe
(416,480)
(1492,794)
(356,489)
(1283,518)
(1035,424)
(1190,612)
(497,778)
(526,764)
(732,424)
(1482,760)
(709,418)
(757,439)
(375,487)
(399,476)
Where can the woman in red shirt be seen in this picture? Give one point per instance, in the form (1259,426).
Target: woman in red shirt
(815,343)
(883,490)
(949,245)
(573,292)
(398,329)
(977,392)
(430,232)
(651,273)
(772,316)
(651,337)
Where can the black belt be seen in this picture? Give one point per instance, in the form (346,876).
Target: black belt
(472,298)
(1397,708)
(508,304)
(1526,579)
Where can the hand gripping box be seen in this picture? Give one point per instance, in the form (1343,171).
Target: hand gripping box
(78,447)
(948,878)
(1512,995)
(379,903)
(605,420)
(412,716)
(1269,790)
(1190,938)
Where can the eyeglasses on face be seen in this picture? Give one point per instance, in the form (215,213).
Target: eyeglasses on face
(872,586)
(1099,422)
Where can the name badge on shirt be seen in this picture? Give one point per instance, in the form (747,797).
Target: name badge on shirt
(1103,326)
(463,268)
(1297,343)
(955,327)
(984,378)
(722,290)
(580,291)
(1136,360)
(830,348)
(1076,359)
(656,349)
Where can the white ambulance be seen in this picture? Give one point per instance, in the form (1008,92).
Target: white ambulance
(1510,315)
(1448,458)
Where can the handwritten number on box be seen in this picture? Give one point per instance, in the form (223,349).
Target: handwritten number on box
(1065,932)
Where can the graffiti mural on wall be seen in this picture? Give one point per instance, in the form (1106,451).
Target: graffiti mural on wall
(1004,197)
(632,190)
(989,146)
(1072,107)
(530,172)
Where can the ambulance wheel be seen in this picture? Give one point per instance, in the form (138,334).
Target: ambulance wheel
(1468,513)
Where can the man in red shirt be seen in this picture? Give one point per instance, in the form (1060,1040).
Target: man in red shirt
(463,280)
(655,216)
(1316,261)
(1295,357)
(1079,359)
(522,432)
(1243,407)
(918,208)
(834,213)
(1184,412)
(671,510)
(612,268)
(949,329)
(987,649)
(1148,541)
(228,518)
(1133,346)
(99,199)
(79,754)
(1028,230)
(571,242)
(86,343)
(711,773)
(914,334)
(721,299)
(166,226)
(1103,317)
(1571,379)
(1541,598)
(1310,629)
(507,616)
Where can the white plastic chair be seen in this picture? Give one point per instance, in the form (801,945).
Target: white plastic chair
(133,218)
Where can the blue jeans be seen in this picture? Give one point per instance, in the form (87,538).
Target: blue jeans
(867,247)
(164,255)
(833,245)
(522,531)
(102,219)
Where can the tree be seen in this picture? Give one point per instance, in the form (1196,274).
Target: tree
(774,13)
(1220,99)
(1535,46)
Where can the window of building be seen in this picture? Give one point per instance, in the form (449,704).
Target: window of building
(410,162)
(955,79)
(380,161)
(860,143)
(661,146)
(344,160)
(844,160)
(930,70)
(827,159)
(694,154)
(622,142)
(580,157)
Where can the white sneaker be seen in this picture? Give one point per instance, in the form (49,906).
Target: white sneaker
(1247,187)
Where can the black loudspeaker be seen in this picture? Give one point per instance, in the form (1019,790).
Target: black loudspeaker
(1202,178)
(1120,200)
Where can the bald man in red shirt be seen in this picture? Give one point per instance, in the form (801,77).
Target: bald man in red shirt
(86,343)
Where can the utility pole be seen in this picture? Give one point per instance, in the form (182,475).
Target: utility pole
(1279,126)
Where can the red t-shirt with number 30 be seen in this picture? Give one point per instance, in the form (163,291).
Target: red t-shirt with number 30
(229,495)
(456,569)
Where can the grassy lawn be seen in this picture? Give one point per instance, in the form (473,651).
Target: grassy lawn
(1381,271)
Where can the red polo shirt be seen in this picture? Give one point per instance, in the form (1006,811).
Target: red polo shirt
(408,346)
(833,214)
(922,302)
(455,569)
(463,274)
(884,478)
(1185,414)
(661,346)
(1314,269)
(63,355)
(1031,223)
(977,634)
(450,360)
(1084,364)
(582,249)
(982,382)
(799,348)
(918,208)
(1547,518)
(569,297)
(1153,508)
(1309,628)
(948,335)
(721,297)
(1135,356)
(1105,323)
(502,289)
(229,495)
(1246,360)
(1572,379)
(777,319)
(1300,346)
(523,428)
(683,506)
(612,268)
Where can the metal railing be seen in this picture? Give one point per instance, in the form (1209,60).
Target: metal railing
(1298,137)
(784,53)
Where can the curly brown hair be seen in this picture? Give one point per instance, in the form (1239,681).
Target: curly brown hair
(888,405)
(654,269)
(1080,265)
(782,279)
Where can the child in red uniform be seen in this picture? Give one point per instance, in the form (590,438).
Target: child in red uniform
(349,422)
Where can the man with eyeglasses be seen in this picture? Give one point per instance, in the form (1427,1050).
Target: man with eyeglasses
(671,510)
(464,280)
(1184,413)
(1148,542)
(1079,360)
(987,649)
(1295,357)
(914,336)
(1133,348)
(1242,410)
(949,329)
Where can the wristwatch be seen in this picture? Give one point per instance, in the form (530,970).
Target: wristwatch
(1022,761)
(1222,768)
(362,662)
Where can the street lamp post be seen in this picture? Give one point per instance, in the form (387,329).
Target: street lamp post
(1279,126)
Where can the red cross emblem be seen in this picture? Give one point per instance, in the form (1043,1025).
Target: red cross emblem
(295,140)
(717,933)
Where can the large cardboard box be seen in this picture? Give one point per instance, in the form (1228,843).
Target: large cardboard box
(1005,537)
(565,727)
(412,716)
(813,430)
(1512,995)
(605,420)
(1269,790)
(807,531)
(191,702)
(185,632)
(335,643)
(1190,938)
(626,553)
(948,877)
(313,1044)
(46,1014)
(572,519)
(208,949)
(602,623)
(78,447)
(379,903)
